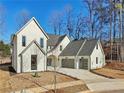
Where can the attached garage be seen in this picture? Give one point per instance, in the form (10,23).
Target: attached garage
(68,63)
(82,54)
(83,63)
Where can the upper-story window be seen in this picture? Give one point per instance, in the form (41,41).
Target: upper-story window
(96,60)
(97,46)
(23,40)
(41,42)
(50,47)
(60,47)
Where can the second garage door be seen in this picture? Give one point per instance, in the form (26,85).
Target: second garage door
(83,64)
(68,63)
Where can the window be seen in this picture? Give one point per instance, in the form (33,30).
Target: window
(23,40)
(41,42)
(97,46)
(50,47)
(96,60)
(60,47)
(33,62)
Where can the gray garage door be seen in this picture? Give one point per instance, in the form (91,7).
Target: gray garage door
(68,63)
(83,63)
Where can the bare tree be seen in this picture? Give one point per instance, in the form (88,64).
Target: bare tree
(69,20)
(22,17)
(56,22)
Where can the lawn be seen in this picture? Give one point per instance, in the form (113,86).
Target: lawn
(110,73)
(10,81)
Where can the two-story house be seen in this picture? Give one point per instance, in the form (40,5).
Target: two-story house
(29,52)
(34,50)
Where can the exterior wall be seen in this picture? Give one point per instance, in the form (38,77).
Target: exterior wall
(101,57)
(26,59)
(32,32)
(49,48)
(14,54)
(57,51)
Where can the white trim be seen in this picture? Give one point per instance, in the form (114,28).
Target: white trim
(33,18)
(81,47)
(101,48)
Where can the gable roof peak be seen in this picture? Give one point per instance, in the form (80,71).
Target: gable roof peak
(37,23)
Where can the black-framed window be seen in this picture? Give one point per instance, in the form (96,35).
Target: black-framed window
(97,46)
(41,42)
(96,60)
(50,47)
(23,40)
(60,47)
(33,62)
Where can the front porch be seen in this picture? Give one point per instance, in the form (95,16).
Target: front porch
(52,60)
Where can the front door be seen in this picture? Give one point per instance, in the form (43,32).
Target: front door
(49,62)
(33,62)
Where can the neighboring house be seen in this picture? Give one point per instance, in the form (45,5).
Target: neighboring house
(55,45)
(83,54)
(29,48)
(34,50)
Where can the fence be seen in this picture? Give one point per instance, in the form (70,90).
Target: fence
(4,60)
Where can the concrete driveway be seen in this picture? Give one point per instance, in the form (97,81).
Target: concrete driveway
(93,81)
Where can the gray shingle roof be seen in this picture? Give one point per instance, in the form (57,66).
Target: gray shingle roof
(54,39)
(72,48)
(88,47)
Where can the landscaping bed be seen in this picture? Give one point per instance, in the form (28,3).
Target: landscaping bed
(10,81)
(109,73)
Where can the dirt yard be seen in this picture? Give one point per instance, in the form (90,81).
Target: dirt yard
(10,81)
(115,65)
(111,73)
(73,89)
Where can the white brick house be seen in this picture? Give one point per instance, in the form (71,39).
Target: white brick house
(29,48)
(34,50)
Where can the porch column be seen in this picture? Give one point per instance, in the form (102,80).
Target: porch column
(76,63)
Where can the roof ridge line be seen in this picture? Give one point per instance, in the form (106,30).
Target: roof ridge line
(81,47)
